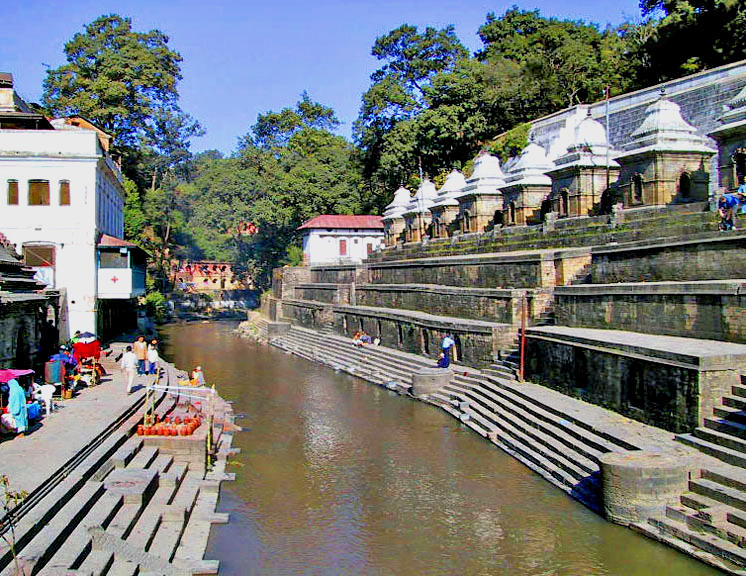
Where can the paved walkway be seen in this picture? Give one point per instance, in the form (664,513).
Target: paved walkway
(30,460)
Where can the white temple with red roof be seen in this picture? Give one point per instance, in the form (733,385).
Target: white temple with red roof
(341,238)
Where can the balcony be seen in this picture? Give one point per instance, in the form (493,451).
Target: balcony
(121,269)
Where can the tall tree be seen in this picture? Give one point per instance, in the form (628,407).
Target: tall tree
(120,79)
(692,35)
(410,61)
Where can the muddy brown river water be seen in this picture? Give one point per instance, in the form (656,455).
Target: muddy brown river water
(337,476)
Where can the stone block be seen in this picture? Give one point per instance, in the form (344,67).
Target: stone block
(638,485)
(135,485)
(428,381)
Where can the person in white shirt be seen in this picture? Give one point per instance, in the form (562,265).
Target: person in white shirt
(447,344)
(129,366)
(153,357)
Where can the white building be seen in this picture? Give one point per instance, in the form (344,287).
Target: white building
(61,193)
(337,238)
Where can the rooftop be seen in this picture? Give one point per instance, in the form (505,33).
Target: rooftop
(344,221)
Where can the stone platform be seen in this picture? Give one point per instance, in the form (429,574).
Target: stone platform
(119,505)
(711,309)
(666,381)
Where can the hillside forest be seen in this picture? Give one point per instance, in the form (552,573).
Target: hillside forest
(431,106)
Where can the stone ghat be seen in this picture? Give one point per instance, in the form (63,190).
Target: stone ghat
(569,442)
(501,305)
(132,505)
(637,224)
(478,341)
(665,381)
(712,309)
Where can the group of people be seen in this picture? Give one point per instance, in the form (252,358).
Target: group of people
(139,359)
(728,205)
(362,337)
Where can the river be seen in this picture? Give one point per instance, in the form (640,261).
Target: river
(337,476)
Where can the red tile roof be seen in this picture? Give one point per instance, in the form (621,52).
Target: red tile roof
(343,221)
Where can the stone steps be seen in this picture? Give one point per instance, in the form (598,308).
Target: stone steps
(708,548)
(38,552)
(728,455)
(565,465)
(724,439)
(175,517)
(711,517)
(728,413)
(144,531)
(584,459)
(344,359)
(91,516)
(666,224)
(57,500)
(726,426)
(529,408)
(378,364)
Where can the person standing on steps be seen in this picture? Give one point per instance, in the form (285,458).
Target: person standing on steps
(153,357)
(446,345)
(141,353)
(129,365)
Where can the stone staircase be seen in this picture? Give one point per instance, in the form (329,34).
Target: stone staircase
(537,430)
(710,520)
(123,509)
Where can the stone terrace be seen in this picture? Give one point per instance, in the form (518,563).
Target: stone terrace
(106,501)
(642,315)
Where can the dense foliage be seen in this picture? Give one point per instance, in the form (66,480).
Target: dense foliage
(431,106)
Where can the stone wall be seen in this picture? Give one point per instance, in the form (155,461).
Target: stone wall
(713,258)
(480,304)
(474,346)
(328,293)
(308,314)
(343,274)
(285,279)
(711,311)
(663,395)
(19,335)
(673,383)
(525,271)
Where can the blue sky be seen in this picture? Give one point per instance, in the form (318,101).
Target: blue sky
(242,58)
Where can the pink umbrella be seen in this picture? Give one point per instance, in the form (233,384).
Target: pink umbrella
(9,374)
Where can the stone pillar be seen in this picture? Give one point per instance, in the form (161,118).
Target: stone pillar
(638,485)
(428,381)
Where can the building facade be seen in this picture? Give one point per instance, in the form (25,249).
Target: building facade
(331,238)
(61,194)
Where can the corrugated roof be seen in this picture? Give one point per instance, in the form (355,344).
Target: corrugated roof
(344,221)
(107,240)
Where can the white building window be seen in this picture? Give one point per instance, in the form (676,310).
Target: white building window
(38,192)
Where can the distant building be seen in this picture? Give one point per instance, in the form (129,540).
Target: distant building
(62,206)
(341,238)
(207,276)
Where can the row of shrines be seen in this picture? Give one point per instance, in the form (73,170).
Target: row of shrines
(577,173)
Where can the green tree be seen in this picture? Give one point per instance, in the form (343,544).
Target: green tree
(411,60)
(692,35)
(124,81)
(274,129)
(569,60)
